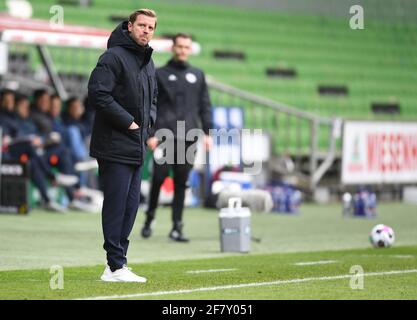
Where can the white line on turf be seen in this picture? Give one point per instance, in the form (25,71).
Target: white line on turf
(210,270)
(245,285)
(397,256)
(312,263)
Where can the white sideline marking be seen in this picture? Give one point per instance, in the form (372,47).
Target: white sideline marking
(312,263)
(245,285)
(210,270)
(398,256)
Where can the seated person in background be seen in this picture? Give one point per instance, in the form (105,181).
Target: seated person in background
(7,101)
(75,128)
(77,135)
(56,152)
(26,127)
(71,125)
(88,117)
(39,111)
(7,116)
(55,113)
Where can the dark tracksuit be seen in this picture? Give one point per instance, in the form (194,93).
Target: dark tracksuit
(122,89)
(182,96)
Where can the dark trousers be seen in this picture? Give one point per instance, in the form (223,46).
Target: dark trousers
(39,168)
(160,172)
(120,184)
(64,163)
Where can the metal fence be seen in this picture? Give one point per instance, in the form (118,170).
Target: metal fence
(294,133)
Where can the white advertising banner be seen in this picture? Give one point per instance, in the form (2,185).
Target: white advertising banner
(379,152)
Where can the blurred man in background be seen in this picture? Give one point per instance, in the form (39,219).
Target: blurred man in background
(40,111)
(55,113)
(7,102)
(182,96)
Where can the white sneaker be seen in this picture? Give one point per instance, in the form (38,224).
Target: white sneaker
(84,206)
(56,207)
(66,180)
(94,196)
(92,193)
(107,274)
(86,165)
(121,275)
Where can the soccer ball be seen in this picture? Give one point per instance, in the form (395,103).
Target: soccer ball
(382,236)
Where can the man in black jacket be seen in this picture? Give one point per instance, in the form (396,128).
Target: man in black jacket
(122,89)
(183,104)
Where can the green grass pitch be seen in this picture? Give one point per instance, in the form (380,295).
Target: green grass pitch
(305,256)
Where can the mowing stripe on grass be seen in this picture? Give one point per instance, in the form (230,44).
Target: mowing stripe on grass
(312,263)
(244,285)
(210,270)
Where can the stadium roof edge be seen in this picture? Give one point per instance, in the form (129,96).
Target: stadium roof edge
(42,32)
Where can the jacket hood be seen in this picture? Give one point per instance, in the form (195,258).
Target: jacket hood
(120,37)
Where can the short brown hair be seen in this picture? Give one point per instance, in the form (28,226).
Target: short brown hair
(145,12)
(181,35)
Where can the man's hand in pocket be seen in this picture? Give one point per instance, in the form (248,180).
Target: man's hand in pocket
(133,126)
